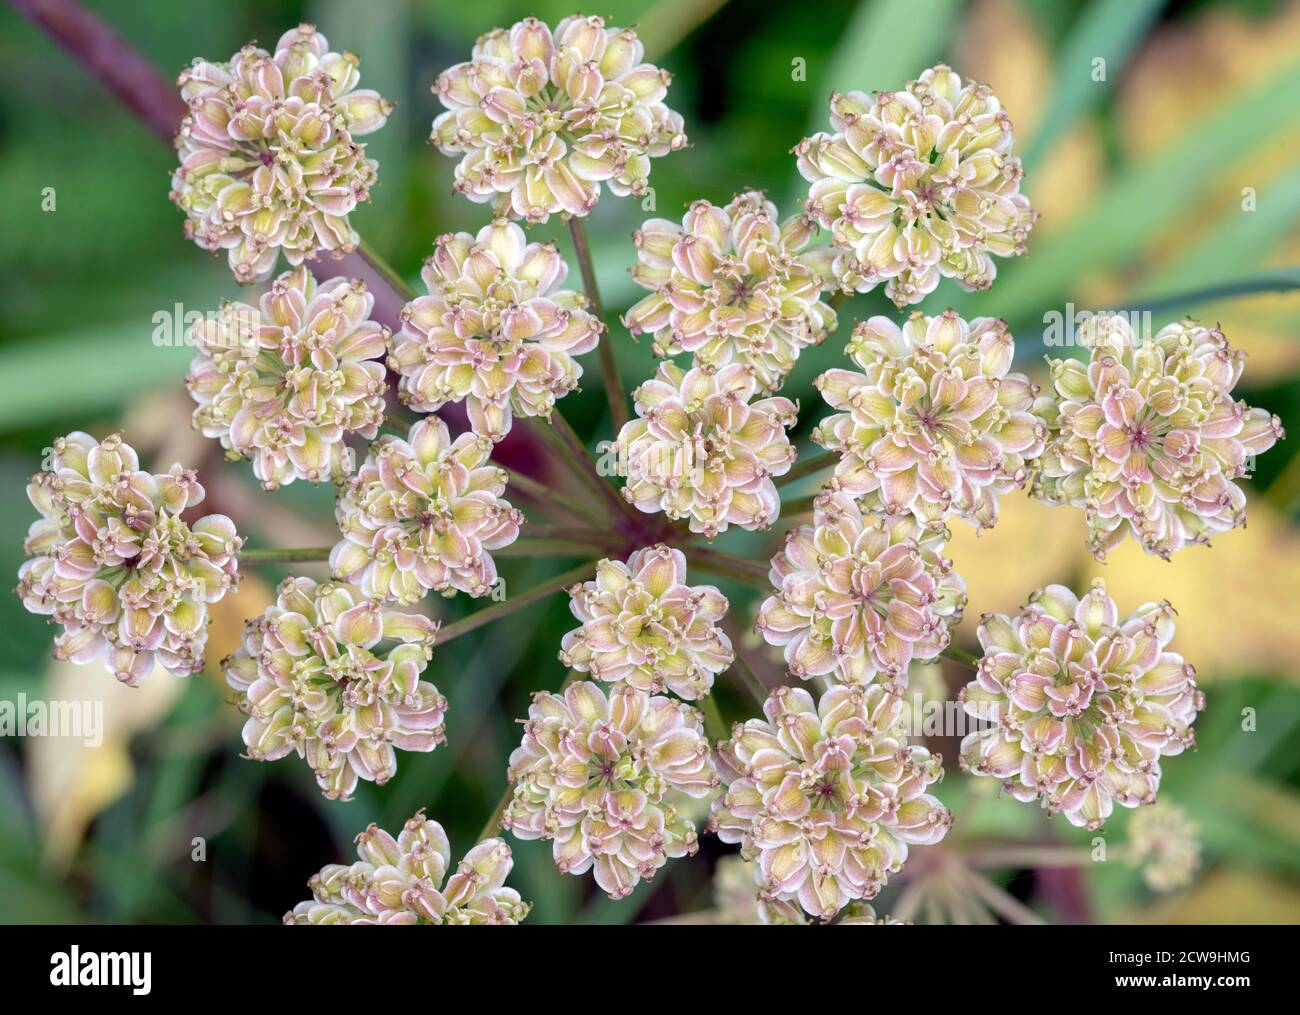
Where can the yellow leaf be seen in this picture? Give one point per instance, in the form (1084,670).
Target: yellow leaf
(1032,545)
(1235,599)
(72,779)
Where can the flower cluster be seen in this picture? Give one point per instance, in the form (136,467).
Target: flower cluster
(827,795)
(1166,844)
(495,329)
(1083,705)
(1147,437)
(860,596)
(285,385)
(594,774)
(400,881)
(701,450)
(916,184)
(643,624)
(422,513)
(543,118)
(336,678)
(267,156)
(112,562)
(935,423)
(729,285)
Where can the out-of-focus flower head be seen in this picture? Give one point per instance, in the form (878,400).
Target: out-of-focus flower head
(1148,438)
(936,423)
(422,513)
(285,384)
(111,561)
(730,286)
(400,881)
(860,596)
(701,450)
(495,329)
(1082,705)
(1166,844)
(328,674)
(827,795)
(267,157)
(543,118)
(917,184)
(595,774)
(643,624)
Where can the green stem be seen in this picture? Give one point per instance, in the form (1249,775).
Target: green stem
(498,610)
(838,299)
(725,565)
(493,823)
(543,547)
(546,496)
(561,438)
(747,677)
(388,272)
(1278,280)
(807,466)
(285,556)
(1010,909)
(798,507)
(960,655)
(618,411)
(714,725)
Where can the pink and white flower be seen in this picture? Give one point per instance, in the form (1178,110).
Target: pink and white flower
(335,678)
(112,562)
(543,118)
(700,450)
(400,881)
(423,513)
(643,624)
(936,423)
(1148,439)
(732,285)
(827,796)
(596,774)
(284,383)
(1083,704)
(268,160)
(495,330)
(917,184)
(858,597)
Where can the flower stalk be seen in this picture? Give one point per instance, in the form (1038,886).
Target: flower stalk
(508,606)
(614,392)
(289,555)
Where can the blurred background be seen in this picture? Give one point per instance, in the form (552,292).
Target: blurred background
(1178,174)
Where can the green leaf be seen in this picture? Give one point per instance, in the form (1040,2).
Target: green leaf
(48,377)
(885,44)
(1240,238)
(1281,280)
(1148,198)
(1109,29)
